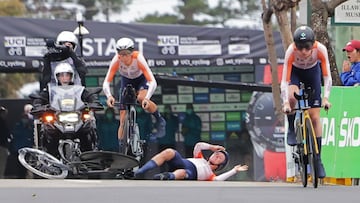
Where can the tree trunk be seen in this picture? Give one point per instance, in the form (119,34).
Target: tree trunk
(270,45)
(321,11)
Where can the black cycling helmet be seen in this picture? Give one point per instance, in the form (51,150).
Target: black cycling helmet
(304,37)
(225,162)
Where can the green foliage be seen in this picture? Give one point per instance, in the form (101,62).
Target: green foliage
(104,5)
(11,8)
(12,82)
(225,10)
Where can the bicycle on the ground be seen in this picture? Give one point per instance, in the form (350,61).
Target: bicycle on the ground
(305,152)
(131,143)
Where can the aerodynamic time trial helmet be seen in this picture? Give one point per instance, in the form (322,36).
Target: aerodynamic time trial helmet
(304,37)
(125,44)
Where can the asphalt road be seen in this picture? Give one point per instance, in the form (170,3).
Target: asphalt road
(136,191)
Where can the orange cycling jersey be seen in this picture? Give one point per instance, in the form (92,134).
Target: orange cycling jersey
(293,58)
(136,68)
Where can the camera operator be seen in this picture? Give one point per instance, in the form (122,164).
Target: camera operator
(63,50)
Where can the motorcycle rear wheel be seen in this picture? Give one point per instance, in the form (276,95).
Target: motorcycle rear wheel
(42,164)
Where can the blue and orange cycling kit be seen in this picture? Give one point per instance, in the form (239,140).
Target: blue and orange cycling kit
(307,70)
(136,73)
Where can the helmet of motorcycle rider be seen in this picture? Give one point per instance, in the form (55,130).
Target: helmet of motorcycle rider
(304,37)
(125,44)
(63,68)
(67,36)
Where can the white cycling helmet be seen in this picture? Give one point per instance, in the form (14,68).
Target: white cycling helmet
(64,68)
(67,36)
(125,44)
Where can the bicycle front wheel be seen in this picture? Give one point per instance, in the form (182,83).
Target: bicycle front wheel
(125,141)
(42,164)
(302,157)
(312,156)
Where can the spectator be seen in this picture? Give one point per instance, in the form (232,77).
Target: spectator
(22,136)
(4,140)
(191,130)
(107,127)
(172,126)
(350,75)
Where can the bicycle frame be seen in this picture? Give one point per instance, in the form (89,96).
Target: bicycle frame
(131,138)
(306,151)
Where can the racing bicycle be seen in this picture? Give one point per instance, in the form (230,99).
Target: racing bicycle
(131,143)
(306,152)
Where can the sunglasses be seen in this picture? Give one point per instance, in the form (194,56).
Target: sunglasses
(124,52)
(306,46)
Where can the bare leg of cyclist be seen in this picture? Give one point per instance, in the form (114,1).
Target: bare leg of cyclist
(315,118)
(121,131)
(121,125)
(291,137)
(151,107)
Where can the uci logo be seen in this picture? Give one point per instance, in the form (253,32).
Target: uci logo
(14,41)
(168,40)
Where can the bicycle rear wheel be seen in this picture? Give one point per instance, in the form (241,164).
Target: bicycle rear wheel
(312,157)
(302,157)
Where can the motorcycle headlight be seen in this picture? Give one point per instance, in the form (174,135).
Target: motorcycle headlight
(68,117)
(48,117)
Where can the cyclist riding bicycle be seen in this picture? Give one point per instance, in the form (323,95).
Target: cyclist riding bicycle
(305,60)
(134,70)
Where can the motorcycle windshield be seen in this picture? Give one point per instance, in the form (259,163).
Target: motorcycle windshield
(66,98)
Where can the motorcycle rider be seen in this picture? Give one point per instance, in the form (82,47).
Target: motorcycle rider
(64,76)
(63,50)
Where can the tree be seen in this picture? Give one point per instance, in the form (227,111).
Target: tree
(9,83)
(94,6)
(189,10)
(12,8)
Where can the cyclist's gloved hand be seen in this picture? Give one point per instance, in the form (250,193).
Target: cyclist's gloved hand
(326,104)
(286,107)
(110,101)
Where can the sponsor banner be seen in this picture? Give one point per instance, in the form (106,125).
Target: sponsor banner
(340,136)
(217,116)
(201,98)
(233,126)
(169,99)
(233,116)
(24,40)
(217,136)
(217,126)
(217,97)
(204,117)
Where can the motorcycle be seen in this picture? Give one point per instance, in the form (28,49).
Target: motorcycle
(66,139)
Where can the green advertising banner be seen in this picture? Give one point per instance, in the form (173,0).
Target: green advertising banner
(341,133)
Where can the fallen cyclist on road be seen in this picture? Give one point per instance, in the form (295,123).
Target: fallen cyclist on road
(196,168)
